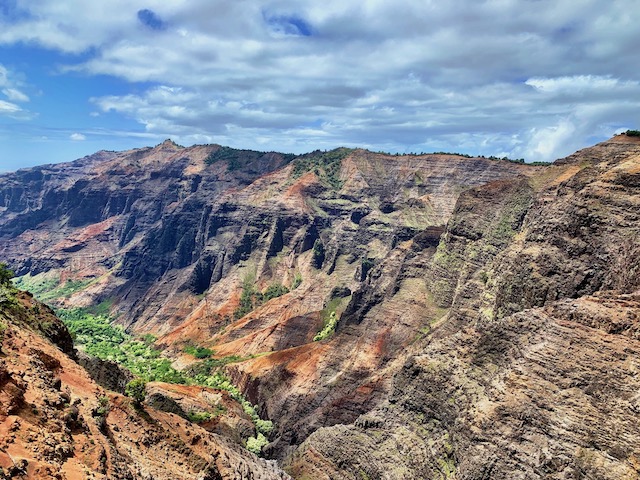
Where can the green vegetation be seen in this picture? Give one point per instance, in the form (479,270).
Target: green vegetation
(5,274)
(274,290)
(136,389)
(366,264)
(297,280)
(326,165)
(257,443)
(99,337)
(200,370)
(510,218)
(251,298)
(3,329)
(104,308)
(38,284)
(198,417)
(328,329)
(237,158)
(632,133)
(232,156)
(103,407)
(198,352)
(46,287)
(7,292)
(318,254)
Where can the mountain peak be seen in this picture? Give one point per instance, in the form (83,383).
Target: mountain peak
(169,144)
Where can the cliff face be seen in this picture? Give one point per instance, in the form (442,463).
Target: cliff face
(533,372)
(484,311)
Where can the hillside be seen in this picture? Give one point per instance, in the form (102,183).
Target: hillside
(427,316)
(56,422)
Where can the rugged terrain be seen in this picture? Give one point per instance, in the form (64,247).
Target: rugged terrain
(485,319)
(56,422)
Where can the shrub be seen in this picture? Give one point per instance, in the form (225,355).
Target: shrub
(248,299)
(198,417)
(198,352)
(318,254)
(257,443)
(297,280)
(328,329)
(3,328)
(136,389)
(366,264)
(632,133)
(274,291)
(5,274)
(264,426)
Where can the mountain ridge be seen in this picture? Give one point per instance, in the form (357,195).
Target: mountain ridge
(404,262)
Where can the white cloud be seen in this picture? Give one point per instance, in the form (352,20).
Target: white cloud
(15,95)
(9,88)
(77,137)
(523,77)
(9,108)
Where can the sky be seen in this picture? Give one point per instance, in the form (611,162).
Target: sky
(532,79)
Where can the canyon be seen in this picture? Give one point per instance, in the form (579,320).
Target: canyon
(424,316)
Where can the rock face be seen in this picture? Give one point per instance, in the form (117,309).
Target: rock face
(533,372)
(55,422)
(485,313)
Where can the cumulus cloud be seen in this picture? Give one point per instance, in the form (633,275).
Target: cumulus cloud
(517,77)
(77,137)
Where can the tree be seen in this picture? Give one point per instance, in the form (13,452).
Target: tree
(137,390)
(318,254)
(5,274)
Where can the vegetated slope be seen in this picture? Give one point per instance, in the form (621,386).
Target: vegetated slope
(184,243)
(56,422)
(533,373)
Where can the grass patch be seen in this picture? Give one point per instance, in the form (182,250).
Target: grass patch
(47,286)
(198,417)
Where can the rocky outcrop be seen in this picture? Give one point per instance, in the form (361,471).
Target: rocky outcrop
(106,373)
(214,411)
(181,231)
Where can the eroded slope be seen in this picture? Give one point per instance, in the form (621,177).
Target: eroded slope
(55,422)
(534,371)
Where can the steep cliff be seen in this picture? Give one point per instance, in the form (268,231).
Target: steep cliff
(533,371)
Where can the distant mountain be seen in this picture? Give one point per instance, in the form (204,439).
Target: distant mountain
(394,316)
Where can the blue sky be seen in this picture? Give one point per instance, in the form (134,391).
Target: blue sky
(537,79)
